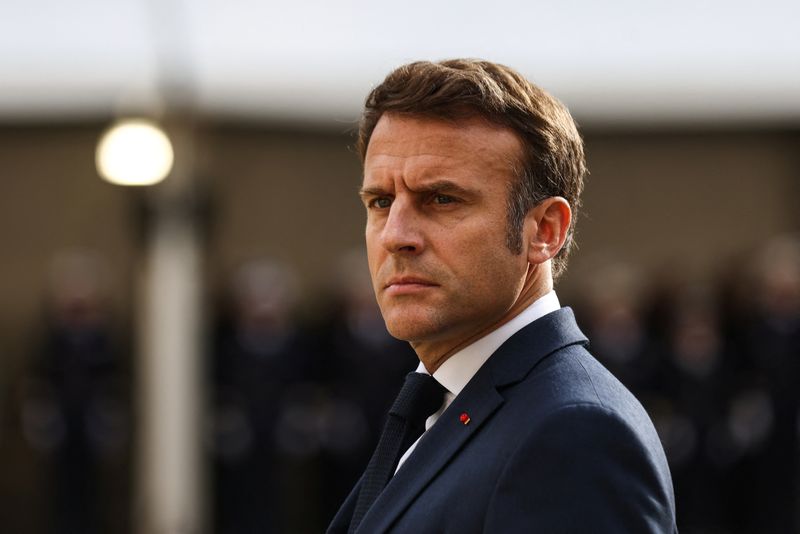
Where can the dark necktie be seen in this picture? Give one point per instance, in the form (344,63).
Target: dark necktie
(420,397)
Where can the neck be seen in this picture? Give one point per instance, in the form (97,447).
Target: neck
(538,282)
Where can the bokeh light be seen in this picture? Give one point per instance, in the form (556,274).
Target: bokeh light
(134,152)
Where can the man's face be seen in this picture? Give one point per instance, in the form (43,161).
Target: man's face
(435,194)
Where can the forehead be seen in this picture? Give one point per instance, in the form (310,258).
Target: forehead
(410,144)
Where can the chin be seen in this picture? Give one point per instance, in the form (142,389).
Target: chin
(408,328)
(402,332)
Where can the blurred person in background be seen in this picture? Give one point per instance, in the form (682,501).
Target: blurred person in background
(767,422)
(472,179)
(691,397)
(361,367)
(74,405)
(260,432)
(612,310)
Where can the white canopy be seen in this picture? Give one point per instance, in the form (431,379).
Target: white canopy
(628,61)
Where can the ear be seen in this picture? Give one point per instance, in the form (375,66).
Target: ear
(547,224)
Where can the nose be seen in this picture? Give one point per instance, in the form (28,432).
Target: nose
(402,232)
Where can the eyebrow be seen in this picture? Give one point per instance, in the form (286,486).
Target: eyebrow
(371,191)
(433,187)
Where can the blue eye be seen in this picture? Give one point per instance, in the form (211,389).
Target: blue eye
(443,199)
(380,202)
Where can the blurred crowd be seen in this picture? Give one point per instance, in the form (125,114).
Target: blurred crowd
(717,366)
(74,401)
(295,402)
(298,407)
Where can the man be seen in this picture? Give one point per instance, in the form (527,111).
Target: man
(472,179)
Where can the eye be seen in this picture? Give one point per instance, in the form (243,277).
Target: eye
(380,203)
(443,199)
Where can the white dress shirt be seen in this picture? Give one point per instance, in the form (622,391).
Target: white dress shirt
(458,369)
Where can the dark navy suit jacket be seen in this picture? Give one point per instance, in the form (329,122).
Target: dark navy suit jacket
(554,444)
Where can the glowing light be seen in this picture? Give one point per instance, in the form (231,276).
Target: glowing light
(134,152)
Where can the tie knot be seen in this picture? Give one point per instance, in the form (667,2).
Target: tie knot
(420,397)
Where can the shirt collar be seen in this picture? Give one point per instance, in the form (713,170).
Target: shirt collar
(458,369)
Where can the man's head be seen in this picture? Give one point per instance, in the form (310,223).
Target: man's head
(471,177)
(551,163)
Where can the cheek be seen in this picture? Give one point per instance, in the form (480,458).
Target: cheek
(373,252)
(482,253)
(497,280)
(374,267)
(496,273)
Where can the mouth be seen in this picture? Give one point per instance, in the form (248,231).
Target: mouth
(403,285)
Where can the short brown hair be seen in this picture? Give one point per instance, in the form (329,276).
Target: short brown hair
(553,162)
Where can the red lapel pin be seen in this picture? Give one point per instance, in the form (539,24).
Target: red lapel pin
(464,418)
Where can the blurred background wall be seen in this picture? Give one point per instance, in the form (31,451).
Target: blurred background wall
(691,116)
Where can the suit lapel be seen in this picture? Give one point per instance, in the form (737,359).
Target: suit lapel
(523,351)
(480,399)
(439,444)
